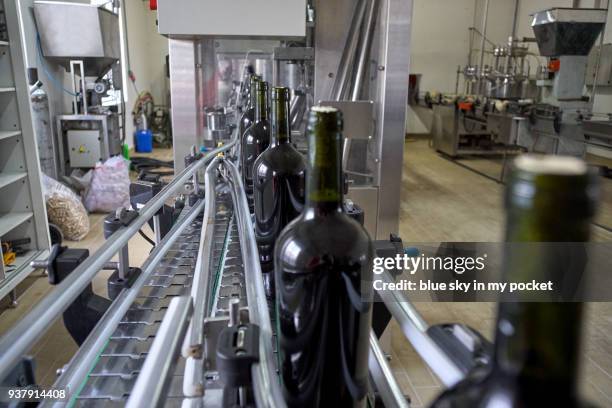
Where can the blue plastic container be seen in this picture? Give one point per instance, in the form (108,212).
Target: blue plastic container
(144,141)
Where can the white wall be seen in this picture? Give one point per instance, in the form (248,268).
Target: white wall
(439,41)
(440,34)
(148,51)
(603,96)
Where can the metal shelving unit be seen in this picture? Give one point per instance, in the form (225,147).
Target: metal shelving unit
(22,208)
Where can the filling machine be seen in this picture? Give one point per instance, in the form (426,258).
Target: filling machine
(510,106)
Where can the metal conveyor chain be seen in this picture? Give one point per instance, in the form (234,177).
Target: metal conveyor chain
(116,371)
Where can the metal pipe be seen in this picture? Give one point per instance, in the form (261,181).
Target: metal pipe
(155,374)
(298,105)
(201,278)
(124,263)
(482,46)
(157,229)
(346,150)
(196,178)
(86,356)
(389,390)
(597,64)
(364,50)
(265,380)
(515,18)
(415,330)
(457,79)
(25,333)
(193,384)
(512,37)
(348,54)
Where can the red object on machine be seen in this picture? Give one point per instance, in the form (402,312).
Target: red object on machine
(554,65)
(153,4)
(465,106)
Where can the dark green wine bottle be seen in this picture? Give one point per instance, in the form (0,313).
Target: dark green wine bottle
(248,116)
(550,201)
(278,185)
(320,261)
(256,138)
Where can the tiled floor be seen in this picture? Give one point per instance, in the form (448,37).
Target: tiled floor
(440,202)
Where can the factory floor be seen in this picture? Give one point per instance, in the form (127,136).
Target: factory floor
(441,201)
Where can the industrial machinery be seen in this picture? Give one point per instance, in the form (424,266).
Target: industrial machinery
(353,53)
(509,106)
(163,341)
(160,342)
(84,39)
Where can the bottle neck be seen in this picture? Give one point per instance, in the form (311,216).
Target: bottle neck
(548,220)
(324,175)
(261,105)
(281,126)
(252,92)
(539,343)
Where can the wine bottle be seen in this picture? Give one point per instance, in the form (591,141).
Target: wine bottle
(550,202)
(256,138)
(248,116)
(320,261)
(278,185)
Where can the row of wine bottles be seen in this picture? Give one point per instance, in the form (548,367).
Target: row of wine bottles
(315,258)
(312,254)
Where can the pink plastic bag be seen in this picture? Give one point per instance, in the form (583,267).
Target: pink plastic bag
(110,186)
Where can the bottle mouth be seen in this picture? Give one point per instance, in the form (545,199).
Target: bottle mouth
(324,109)
(325,119)
(279,92)
(551,165)
(564,183)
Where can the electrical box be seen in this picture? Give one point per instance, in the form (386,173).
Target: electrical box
(83,147)
(232,18)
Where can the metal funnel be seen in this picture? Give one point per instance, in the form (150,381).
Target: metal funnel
(78,31)
(567,31)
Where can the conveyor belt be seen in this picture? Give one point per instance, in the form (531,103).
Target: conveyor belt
(203,264)
(227,262)
(114,374)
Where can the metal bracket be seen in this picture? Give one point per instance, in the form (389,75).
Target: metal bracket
(126,216)
(293,54)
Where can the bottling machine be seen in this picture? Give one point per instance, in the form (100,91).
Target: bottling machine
(510,106)
(84,40)
(163,339)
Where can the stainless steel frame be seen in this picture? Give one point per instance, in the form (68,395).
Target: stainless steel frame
(391,99)
(387,88)
(378,40)
(187,120)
